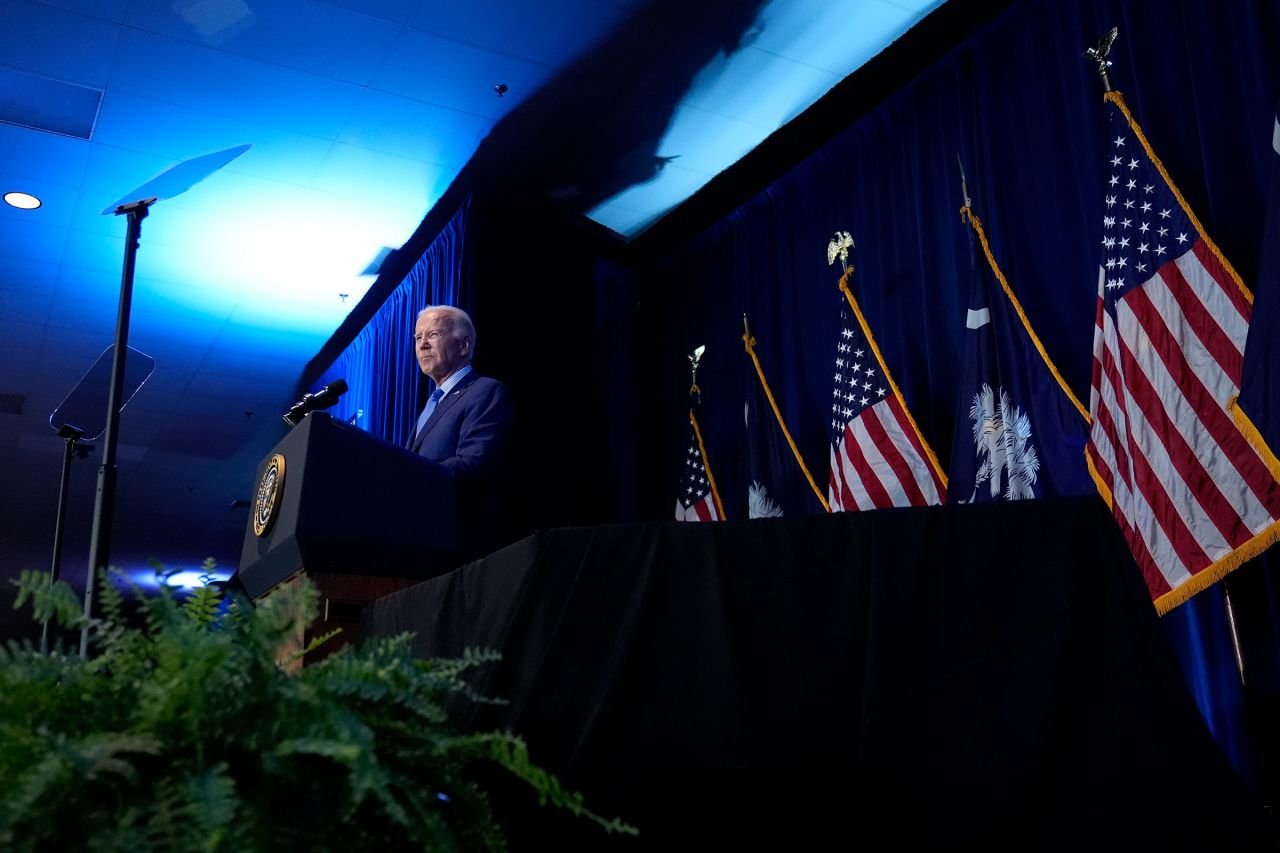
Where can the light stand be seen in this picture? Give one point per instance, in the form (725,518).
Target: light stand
(172,182)
(70,435)
(104,500)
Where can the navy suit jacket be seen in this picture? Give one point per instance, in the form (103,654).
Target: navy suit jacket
(469,434)
(469,427)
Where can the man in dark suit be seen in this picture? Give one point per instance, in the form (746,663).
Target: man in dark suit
(465,426)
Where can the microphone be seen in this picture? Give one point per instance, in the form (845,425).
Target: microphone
(322,399)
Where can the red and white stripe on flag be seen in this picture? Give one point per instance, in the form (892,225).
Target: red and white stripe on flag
(703,509)
(879,462)
(878,457)
(696,498)
(1192,495)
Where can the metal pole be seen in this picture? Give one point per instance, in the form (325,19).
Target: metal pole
(69,435)
(1235,635)
(104,500)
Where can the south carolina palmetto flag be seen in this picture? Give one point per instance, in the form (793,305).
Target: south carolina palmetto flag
(878,456)
(1193,495)
(1020,431)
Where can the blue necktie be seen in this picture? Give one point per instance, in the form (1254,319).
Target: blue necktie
(426,413)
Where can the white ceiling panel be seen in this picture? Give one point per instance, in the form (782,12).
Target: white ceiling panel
(26,152)
(409,128)
(30,276)
(361,173)
(759,88)
(303,34)
(57,43)
(549,32)
(32,241)
(439,70)
(105,10)
(186,74)
(59,201)
(397,11)
(837,37)
(20,306)
(180,133)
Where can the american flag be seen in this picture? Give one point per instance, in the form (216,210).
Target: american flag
(878,457)
(1193,497)
(697,499)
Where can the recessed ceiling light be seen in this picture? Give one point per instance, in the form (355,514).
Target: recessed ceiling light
(22,201)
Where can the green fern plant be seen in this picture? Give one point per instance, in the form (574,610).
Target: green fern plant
(184,734)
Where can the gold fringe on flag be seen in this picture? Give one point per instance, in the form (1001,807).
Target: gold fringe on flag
(1220,568)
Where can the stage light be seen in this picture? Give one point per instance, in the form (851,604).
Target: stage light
(147,579)
(195,578)
(22,201)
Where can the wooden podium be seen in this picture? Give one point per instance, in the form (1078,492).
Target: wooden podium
(358,516)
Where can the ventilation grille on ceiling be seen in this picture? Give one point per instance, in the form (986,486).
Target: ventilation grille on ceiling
(40,103)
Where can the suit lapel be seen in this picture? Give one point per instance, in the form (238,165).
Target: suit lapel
(446,403)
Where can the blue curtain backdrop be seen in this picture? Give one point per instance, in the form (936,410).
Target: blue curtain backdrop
(382,374)
(1023,110)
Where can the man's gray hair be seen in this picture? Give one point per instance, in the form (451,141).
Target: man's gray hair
(461,321)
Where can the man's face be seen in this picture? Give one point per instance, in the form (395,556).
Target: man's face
(440,347)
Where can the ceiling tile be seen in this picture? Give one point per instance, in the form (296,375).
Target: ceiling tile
(549,32)
(32,241)
(361,173)
(180,133)
(30,276)
(414,129)
(837,37)
(438,70)
(57,43)
(127,160)
(106,10)
(47,156)
(231,364)
(759,88)
(151,328)
(208,429)
(309,36)
(19,341)
(706,142)
(19,306)
(190,75)
(58,205)
(95,253)
(398,11)
(654,197)
(255,340)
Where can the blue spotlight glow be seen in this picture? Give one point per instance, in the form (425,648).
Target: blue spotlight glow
(147,578)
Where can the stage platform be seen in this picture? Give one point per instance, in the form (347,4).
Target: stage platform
(967,675)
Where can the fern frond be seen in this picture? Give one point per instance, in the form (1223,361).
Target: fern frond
(56,601)
(315,643)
